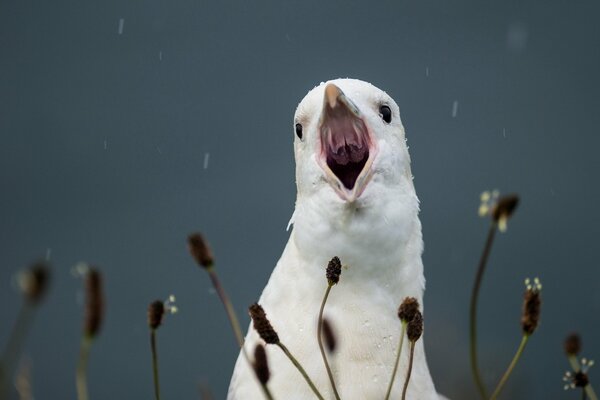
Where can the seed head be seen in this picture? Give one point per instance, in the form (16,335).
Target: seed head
(572,344)
(414,329)
(329,336)
(34,281)
(505,207)
(334,270)
(156,311)
(200,250)
(94,309)
(498,208)
(578,379)
(408,309)
(262,325)
(532,305)
(261,365)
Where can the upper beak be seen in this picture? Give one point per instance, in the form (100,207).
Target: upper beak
(347,148)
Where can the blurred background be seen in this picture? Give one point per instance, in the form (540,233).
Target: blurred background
(127,125)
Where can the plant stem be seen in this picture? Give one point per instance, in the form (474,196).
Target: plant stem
(302,371)
(13,348)
(233,320)
(510,367)
(473,310)
(402,334)
(235,325)
(320,340)
(408,373)
(81,373)
(589,390)
(154,363)
(574,362)
(266,392)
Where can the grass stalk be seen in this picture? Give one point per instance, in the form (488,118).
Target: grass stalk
(409,372)
(154,364)
(320,340)
(473,310)
(510,368)
(301,370)
(81,373)
(13,348)
(231,315)
(400,344)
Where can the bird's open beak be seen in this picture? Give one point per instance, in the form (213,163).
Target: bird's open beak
(347,148)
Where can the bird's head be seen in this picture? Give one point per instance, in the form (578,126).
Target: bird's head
(349,142)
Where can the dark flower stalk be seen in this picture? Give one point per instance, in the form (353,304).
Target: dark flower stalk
(414,330)
(156,312)
(406,312)
(94,312)
(265,330)
(530,318)
(33,284)
(201,252)
(333,272)
(499,211)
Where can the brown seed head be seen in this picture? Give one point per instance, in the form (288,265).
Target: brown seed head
(532,306)
(580,379)
(505,207)
(94,308)
(334,270)
(329,336)
(414,329)
(262,325)
(408,309)
(200,250)
(572,344)
(261,365)
(156,311)
(34,281)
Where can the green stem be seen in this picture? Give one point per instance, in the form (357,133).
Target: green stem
(154,363)
(589,390)
(302,371)
(81,373)
(408,373)
(320,340)
(402,334)
(13,348)
(574,362)
(266,391)
(473,310)
(510,367)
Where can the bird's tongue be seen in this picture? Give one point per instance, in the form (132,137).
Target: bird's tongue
(346,148)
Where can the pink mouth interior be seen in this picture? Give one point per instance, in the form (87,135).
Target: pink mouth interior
(345,143)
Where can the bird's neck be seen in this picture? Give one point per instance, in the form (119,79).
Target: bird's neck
(378,239)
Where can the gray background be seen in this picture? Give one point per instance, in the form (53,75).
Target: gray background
(104,136)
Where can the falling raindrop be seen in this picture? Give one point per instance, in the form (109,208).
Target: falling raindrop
(454,108)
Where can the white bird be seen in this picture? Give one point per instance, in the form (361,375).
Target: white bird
(355,200)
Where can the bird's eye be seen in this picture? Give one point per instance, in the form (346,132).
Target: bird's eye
(299,131)
(386,113)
